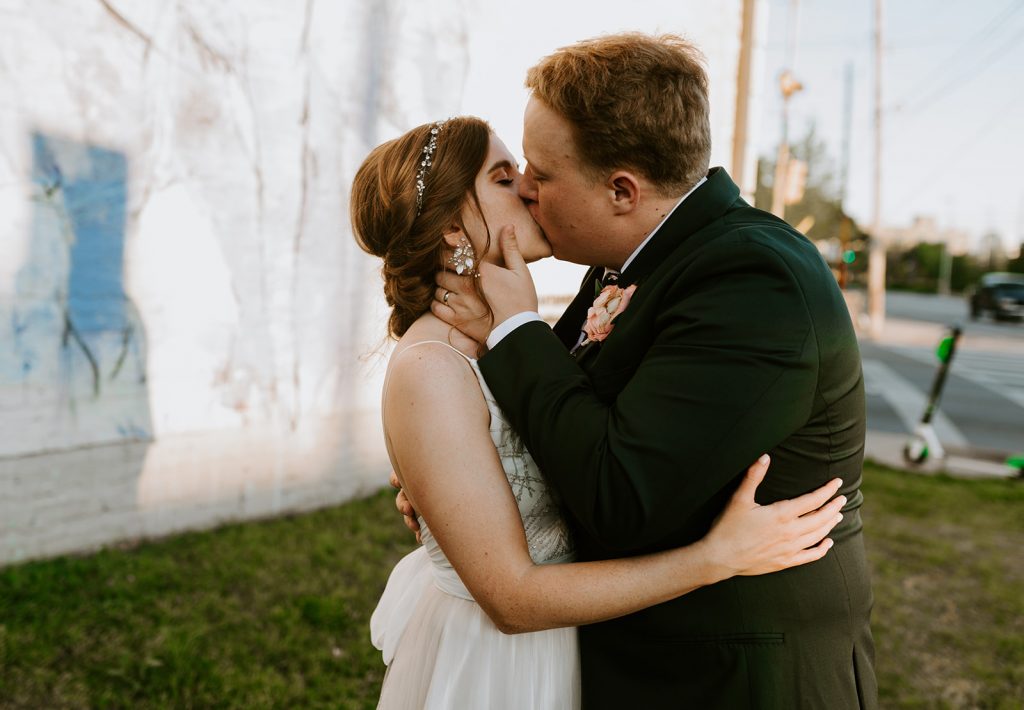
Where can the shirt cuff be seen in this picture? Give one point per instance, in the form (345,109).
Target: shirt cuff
(510,324)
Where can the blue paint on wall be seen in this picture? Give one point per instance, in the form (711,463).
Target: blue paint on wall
(94,198)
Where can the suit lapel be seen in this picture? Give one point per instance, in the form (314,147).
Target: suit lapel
(568,326)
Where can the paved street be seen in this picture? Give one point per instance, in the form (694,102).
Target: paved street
(982,404)
(946,310)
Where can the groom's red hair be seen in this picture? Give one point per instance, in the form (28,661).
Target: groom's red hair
(634,101)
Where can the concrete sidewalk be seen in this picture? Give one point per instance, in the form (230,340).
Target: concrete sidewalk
(887,449)
(899,332)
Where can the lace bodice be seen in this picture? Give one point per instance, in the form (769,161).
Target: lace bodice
(547,533)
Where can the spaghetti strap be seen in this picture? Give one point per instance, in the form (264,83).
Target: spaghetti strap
(387,377)
(439,342)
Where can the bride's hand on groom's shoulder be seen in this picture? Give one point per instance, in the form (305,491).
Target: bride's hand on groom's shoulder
(750,539)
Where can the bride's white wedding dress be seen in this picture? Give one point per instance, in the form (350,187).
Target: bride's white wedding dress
(441,649)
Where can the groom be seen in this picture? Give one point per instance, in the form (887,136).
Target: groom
(735,341)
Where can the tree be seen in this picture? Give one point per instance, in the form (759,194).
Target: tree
(918,268)
(1016,264)
(820,204)
(966,271)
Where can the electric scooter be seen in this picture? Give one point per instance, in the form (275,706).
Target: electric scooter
(925,443)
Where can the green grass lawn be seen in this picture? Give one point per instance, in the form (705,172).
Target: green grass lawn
(275,613)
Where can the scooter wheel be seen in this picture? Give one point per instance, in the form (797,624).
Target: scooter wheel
(916,450)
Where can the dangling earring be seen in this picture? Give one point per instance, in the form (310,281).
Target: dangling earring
(464,258)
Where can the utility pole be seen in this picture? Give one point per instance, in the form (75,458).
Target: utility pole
(844,173)
(945,268)
(739,134)
(789,86)
(844,155)
(946,264)
(876,264)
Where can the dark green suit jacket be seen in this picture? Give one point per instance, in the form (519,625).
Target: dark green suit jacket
(737,341)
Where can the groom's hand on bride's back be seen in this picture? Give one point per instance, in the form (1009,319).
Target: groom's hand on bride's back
(405,507)
(508,289)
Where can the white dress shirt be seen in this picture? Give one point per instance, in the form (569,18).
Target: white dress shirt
(513,322)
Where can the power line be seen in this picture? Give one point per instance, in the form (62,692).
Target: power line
(967,76)
(982,34)
(936,172)
(943,68)
(863,42)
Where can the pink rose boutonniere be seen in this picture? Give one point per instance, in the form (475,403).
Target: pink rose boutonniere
(609,305)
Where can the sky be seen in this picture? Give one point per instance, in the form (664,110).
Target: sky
(953,90)
(953,105)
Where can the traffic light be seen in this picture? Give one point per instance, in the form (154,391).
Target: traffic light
(849,256)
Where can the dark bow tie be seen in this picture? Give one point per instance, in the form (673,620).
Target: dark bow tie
(611,278)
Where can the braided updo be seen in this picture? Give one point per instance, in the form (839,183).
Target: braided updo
(383,209)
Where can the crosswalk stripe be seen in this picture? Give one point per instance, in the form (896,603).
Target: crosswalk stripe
(907,401)
(995,371)
(1016,394)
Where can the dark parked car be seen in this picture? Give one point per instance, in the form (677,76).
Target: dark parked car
(1000,294)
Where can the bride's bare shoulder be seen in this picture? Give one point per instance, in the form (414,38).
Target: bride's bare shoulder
(427,355)
(426,370)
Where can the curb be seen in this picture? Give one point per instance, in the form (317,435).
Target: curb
(886,448)
(903,332)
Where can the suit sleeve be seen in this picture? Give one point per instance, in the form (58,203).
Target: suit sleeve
(731,372)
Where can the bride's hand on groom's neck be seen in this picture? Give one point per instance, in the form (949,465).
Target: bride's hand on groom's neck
(509,288)
(458,303)
(476,304)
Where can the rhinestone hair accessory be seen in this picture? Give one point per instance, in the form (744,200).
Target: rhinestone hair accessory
(425,162)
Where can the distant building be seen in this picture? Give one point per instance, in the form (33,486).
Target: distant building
(925,230)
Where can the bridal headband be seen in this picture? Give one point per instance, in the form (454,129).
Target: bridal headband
(426,162)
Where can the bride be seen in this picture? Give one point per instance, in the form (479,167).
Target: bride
(482,615)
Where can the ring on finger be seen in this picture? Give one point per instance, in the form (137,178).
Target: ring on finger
(444,299)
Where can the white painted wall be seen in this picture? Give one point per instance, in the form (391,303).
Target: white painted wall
(236,374)
(188,333)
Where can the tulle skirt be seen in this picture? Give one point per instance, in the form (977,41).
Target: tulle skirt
(443,652)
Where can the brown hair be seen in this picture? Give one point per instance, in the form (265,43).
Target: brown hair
(634,100)
(383,209)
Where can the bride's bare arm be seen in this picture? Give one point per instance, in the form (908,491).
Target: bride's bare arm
(436,423)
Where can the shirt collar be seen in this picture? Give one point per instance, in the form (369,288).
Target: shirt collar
(655,230)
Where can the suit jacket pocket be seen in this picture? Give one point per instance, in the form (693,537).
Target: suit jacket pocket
(746,638)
